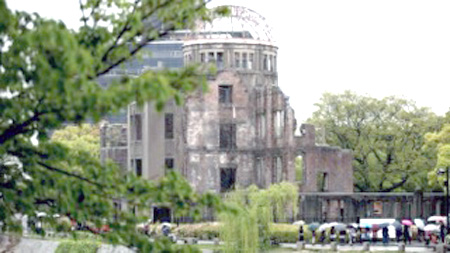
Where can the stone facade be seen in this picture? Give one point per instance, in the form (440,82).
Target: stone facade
(326,169)
(240,132)
(113,144)
(350,207)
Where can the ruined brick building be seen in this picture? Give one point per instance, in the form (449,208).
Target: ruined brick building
(241,132)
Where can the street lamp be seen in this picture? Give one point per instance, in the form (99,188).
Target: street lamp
(440,172)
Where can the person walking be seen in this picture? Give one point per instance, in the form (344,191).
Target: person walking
(322,237)
(332,234)
(352,235)
(406,235)
(398,233)
(301,234)
(313,237)
(385,233)
(442,231)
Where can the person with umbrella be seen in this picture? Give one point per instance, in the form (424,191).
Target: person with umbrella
(351,231)
(398,230)
(332,234)
(375,229)
(420,229)
(301,234)
(313,227)
(406,234)
(385,233)
(322,237)
(442,231)
(313,237)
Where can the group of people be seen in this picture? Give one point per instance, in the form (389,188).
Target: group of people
(332,235)
(353,234)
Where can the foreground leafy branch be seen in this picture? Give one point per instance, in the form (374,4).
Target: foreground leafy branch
(48,78)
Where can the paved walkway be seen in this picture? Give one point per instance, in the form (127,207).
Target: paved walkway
(393,247)
(359,247)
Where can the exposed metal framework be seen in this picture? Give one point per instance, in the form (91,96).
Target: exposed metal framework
(242,23)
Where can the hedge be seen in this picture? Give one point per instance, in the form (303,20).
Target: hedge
(82,246)
(279,232)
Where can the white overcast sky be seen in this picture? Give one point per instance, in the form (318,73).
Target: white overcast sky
(377,48)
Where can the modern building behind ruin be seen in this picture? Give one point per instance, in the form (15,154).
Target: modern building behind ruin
(240,132)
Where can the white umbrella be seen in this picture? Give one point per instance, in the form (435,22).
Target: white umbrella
(437,219)
(419,223)
(41,214)
(338,226)
(323,227)
(299,223)
(166,224)
(354,225)
(431,228)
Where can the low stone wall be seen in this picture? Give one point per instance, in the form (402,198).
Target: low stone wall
(348,207)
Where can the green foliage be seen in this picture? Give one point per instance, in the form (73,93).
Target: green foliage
(49,78)
(385,135)
(83,246)
(63,224)
(439,144)
(278,232)
(199,230)
(85,137)
(284,233)
(299,169)
(249,227)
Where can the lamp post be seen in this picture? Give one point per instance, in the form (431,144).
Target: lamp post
(440,172)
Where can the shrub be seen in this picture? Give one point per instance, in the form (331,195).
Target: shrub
(199,230)
(83,246)
(63,224)
(278,232)
(283,233)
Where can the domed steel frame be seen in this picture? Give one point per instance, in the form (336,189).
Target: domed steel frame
(242,23)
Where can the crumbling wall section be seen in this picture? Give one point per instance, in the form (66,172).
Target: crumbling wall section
(325,168)
(113,139)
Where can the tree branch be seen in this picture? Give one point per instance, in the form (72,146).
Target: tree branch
(82,12)
(87,180)
(132,53)
(125,28)
(144,42)
(396,185)
(19,129)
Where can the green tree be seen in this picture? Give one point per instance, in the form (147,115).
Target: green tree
(385,135)
(48,78)
(247,229)
(85,137)
(438,143)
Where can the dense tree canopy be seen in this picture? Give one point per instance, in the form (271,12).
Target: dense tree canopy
(385,135)
(84,137)
(438,143)
(48,78)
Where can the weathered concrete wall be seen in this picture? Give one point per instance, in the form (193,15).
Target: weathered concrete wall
(113,140)
(204,114)
(317,160)
(348,207)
